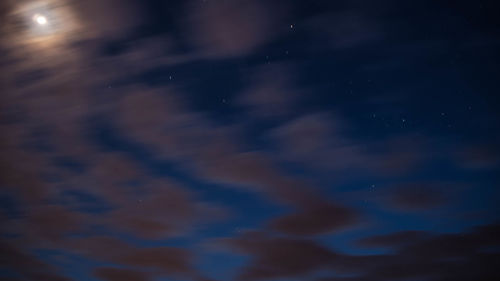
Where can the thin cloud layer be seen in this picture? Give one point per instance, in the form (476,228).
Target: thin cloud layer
(230,28)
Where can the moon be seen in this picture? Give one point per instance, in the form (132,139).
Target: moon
(40,19)
(49,26)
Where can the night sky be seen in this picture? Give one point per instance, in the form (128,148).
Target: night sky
(248,140)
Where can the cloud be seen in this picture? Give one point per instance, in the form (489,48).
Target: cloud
(16,258)
(161,210)
(319,141)
(212,152)
(108,18)
(167,260)
(229,28)
(118,274)
(157,118)
(157,261)
(477,157)
(273,258)
(392,157)
(311,138)
(418,196)
(54,222)
(276,257)
(113,171)
(102,248)
(22,176)
(271,92)
(468,255)
(27,265)
(393,239)
(321,218)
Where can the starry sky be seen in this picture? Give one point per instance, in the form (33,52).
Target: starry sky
(249,140)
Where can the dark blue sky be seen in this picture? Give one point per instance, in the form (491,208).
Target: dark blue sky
(249,140)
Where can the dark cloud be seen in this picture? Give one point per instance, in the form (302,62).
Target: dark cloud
(318,219)
(461,256)
(27,265)
(479,157)
(465,256)
(54,222)
(162,211)
(19,259)
(419,196)
(98,247)
(274,258)
(158,261)
(118,274)
(392,240)
(166,260)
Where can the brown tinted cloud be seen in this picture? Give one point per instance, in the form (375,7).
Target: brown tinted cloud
(118,274)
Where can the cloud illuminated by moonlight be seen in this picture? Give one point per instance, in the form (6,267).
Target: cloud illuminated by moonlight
(41,23)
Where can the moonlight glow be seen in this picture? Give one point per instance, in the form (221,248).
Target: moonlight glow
(43,24)
(40,19)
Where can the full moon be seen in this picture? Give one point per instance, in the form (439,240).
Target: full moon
(40,19)
(44,24)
